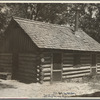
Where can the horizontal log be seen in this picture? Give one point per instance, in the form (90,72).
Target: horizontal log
(46,78)
(5,61)
(27,78)
(46,74)
(68,57)
(98,56)
(5,54)
(5,73)
(98,70)
(67,61)
(76,72)
(75,69)
(27,55)
(87,57)
(85,62)
(47,58)
(27,75)
(67,65)
(66,54)
(98,61)
(27,59)
(98,67)
(71,68)
(85,65)
(7,70)
(27,81)
(6,65)
(27,71)
(46,66)
(27,68)
(6,58)
(46,69)
(47,54)
(98,73)
(46,62)
(27,63)
(75,76)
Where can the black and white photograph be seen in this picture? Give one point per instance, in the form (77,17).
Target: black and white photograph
(49,50)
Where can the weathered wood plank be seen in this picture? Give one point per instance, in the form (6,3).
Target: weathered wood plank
(5,61)
(76,76)
(27,71)
(67,65)
(27,55)
(4,65)
(75,69)
(27,63)
(6,58)
(5,54)
(46,66)
(27,59)
(76,72)
(47,62)
(46,78)
(46,69)
(47,58)
(27,67)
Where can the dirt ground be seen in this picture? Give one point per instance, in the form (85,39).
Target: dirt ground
(15,89)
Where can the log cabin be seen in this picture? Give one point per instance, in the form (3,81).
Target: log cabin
(39,52)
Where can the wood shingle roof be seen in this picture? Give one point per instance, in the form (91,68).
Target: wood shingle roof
(52,36)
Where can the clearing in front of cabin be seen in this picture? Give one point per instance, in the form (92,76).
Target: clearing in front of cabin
(69,88)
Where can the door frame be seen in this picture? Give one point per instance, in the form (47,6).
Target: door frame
(51,78)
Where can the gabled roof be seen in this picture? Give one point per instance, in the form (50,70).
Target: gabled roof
(52,36)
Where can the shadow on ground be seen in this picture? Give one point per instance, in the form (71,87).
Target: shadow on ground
(4,86)
(93,86)
(96,94)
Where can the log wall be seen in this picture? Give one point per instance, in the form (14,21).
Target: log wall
(46,66)
(68,68)
(71,71)
(5,62)
(27,67)
(98,63)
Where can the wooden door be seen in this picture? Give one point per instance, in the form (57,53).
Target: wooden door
(93,65)
(57,69)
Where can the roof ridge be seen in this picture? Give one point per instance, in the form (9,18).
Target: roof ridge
(38,22)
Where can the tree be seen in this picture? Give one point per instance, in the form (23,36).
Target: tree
(57,13)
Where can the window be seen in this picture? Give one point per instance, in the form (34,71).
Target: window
(76,60)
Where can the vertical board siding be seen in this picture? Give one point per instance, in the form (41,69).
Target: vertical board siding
(46,66)
(27,67)
(5,62)
(98,63)
(20,41)
(70,71)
